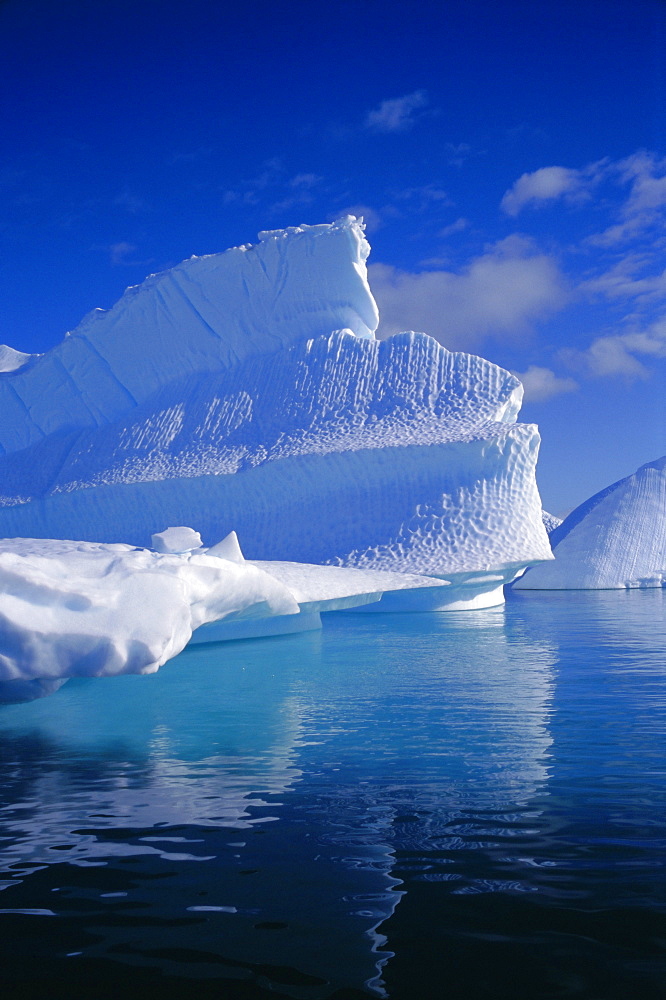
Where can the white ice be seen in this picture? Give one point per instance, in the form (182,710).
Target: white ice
(257,399)
(203,315)
(616,539)
(550,521)
(81,609)
(181,539)
(11,360)
(84,609)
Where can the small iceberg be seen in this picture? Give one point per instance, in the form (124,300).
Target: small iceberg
(615,540)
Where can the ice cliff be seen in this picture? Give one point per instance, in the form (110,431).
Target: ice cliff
(246,391)
(616,539)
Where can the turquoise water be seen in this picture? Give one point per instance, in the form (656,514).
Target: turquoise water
(410,806)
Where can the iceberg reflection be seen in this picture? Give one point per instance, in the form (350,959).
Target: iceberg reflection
(253,817)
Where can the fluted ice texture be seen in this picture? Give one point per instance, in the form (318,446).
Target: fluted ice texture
(290,424)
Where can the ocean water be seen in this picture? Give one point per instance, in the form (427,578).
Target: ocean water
(406,806)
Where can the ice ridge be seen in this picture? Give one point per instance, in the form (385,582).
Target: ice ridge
(205,314)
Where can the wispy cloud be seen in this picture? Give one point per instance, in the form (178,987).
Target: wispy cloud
(304,181)
(645,206)
(627,280)
(300,193)
(621,354)
(119,252)
(398,114)
(500,293)
(458,153)
(624,278)
(423,198)
(122,254)
(549,184)
(454,227)
(542,383)
(274,188)
(249,191)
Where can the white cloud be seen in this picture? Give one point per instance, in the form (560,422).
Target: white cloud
(397,114)
(626,279)
(621,353)
(645,205)
(454,227)
(542,383)
(499,293)
(548,184)
(648,191)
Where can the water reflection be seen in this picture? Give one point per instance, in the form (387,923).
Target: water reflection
(255,812)
(148,814)
(439,733)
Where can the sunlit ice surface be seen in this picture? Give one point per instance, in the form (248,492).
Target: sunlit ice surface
(469,802)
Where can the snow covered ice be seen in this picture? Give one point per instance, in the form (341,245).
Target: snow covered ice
(256,399)
(81,609)
(88,609)
(616,539)
(206,314)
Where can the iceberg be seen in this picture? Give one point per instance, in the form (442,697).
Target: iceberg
(81,609)
(614,540)
(319,589)
(256,398)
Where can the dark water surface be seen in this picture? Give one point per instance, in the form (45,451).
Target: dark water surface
(413,806)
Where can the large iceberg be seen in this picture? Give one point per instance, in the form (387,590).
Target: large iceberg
(616,539)
(246,391)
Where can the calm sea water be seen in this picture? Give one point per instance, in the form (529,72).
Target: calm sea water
(412,806)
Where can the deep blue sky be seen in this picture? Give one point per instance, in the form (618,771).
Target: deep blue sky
(135,134)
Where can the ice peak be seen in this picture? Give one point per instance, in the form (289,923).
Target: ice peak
(229,548)
(206,314)
(11,360)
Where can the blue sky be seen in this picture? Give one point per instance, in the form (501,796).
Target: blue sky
(508,158)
